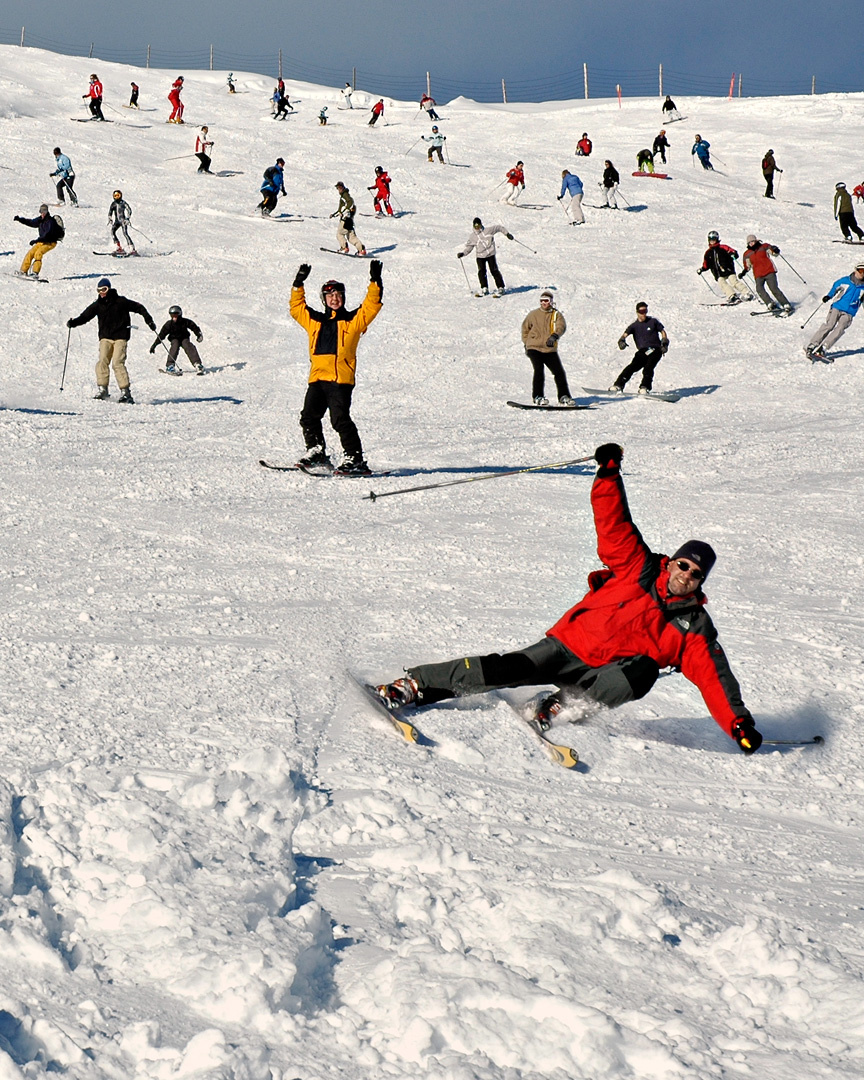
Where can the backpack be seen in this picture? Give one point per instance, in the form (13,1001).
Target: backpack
(59,228)
(270,173)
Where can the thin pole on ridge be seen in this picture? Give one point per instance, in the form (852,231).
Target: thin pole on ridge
(585,79)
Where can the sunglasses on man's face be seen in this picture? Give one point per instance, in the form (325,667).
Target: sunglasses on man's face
(693,571)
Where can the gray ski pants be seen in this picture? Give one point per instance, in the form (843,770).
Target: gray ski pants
(547,661)
(834,327)
(771,281)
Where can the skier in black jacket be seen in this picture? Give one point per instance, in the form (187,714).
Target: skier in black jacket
(115,328)
(178,331)
(661,145)
(611,179)
(50,232)
(720,260)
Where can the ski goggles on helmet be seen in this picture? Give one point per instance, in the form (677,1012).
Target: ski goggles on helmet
(331,287)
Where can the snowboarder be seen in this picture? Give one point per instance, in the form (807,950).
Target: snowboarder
(347,91)
(541,330)
(119,216)
(274,184)
(51,231)
(115,328)
(428,103)
(202,150)
(95,95)
(333,337)
(178,331)
(610,183)
(661,145)
(515,183)
(381,187)
(843,311)
(377,110)
(844,212)
(231,89)
(322,116)
(571,185)
(757,256)
(482,241)
(346,210)
(645,161)
(133,97)
(436,141)
(769,167)
(652,344)
(669,107)
(720,260)
(176,116)
(584,146)
(645,612)
(700,149)
(67,177)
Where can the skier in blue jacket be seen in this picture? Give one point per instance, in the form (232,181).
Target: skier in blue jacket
(274,183)
(700,149)
(571,185)
(67,177)
(840,316)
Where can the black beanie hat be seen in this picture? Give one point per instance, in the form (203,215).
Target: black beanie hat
(697,551)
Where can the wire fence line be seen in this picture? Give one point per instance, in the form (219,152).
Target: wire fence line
(581,81)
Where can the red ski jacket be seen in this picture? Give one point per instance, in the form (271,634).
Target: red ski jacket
(760,259)
(628,611)
(95,90)
(516,177)
(382,186)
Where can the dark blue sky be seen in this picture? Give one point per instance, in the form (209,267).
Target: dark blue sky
(539,47)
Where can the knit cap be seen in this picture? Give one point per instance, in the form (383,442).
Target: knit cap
(697,551)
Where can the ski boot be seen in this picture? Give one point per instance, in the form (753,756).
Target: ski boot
(353,465)
(541,400)
(126,396)
(101,393)
(398,693)
(566,400)
(316,457)
(546,712)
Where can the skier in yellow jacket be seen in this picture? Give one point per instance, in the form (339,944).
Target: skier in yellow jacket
(333,337)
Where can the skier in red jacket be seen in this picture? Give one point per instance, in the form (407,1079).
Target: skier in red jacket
(381,187)
(645,612)
(176,116)
(95,95)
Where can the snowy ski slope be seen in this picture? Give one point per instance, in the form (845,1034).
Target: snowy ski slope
(215,861)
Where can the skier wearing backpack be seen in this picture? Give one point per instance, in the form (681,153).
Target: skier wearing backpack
(381,187)
(757,256)
(176,116)
(95,95)
(333,337)
(345,234)
(720,260)
(769,167)
(178,331)
(51,231)
(112,313)
(274,183)
(482,242)
(119,216)
(67,177)
(645,611)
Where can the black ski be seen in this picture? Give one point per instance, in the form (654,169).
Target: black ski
(322,472)
(548,408)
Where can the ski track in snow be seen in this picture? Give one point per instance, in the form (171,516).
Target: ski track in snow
(216,862)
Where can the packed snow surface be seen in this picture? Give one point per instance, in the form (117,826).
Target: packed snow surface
(216,861)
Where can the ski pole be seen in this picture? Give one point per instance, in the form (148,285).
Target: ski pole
(811,316)
(399,205)
(72,196)
(411,147)
(465,272)
(618,192)
(179,157)
(65,358)
(146,237)
(533,252)
(722,162)
(791,267)
(372,496)
(447,152)
(708,287)
(494,189)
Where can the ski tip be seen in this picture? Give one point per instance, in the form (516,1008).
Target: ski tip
(564,756)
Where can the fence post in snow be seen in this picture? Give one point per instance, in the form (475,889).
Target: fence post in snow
(661,80)
(22,37)
(90,54)
(618,92)
(585,79)
(731,86)
(148,56)
(211,57)
(504,91)
(428,85)
(739,84)
(813,85)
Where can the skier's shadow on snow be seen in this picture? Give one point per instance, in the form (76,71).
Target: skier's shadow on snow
(522,288)
(848,352)
(7,252)
(35,412)
(230,172)
(695,391)
(84,277)
(381,250)
(637,208)
(229,367)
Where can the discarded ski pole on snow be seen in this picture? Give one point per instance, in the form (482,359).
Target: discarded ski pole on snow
(372,496)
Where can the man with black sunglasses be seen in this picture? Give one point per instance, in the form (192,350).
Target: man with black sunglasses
(643,612)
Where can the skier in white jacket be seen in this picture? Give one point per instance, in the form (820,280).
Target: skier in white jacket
(482,241)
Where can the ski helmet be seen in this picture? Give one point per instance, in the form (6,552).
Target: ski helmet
(332,286)
(770,151)
(713,235)
(838,186)
(378,169)
(175,309)
(477,223)
(434,127)
(56,150)
(118,194)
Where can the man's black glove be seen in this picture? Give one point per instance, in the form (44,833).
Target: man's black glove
(701,270)
(622,343)
(375,268)
(745,734)
(199,338)
(17,218)
(153,346)
(743,273)
(608,457)
(152,325)
(303,271)
(551,341)
(825,299)
(461,255)
(509,235)
(664,346)
(70,323)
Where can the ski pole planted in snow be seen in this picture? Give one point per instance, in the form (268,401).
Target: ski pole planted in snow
(146,237)
(709,288)
(372,496)
(65,358)
(465,272)
(809,317)
(792,268)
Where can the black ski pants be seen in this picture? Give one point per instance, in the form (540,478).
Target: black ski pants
(542,360)
(645,360)
(769,185)
(64,184)
(492,263)
(547,661)
(268,201)
(96,107)
(847,223)
(205,160)
(335,397)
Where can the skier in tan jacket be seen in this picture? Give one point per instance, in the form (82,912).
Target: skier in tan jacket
(541,330)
